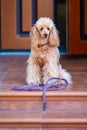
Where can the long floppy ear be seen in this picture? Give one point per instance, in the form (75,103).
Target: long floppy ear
(54,37)
(34,34)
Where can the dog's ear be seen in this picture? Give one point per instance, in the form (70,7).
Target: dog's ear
(34,35)
(54,37)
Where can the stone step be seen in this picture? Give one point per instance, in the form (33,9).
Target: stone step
(39,119)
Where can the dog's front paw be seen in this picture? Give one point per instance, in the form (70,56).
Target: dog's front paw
(33,82)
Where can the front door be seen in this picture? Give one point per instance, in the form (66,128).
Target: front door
(17,17)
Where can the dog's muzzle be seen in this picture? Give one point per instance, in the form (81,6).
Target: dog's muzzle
(45,35)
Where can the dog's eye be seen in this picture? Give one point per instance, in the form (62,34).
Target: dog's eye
(41,29)
(48,28)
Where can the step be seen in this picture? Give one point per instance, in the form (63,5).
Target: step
(40,119)
(30,100)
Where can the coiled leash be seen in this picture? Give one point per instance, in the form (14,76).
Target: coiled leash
(52,84)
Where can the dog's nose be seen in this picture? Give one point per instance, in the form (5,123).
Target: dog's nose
(45,35)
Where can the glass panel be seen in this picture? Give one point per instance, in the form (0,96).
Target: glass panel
(61,22)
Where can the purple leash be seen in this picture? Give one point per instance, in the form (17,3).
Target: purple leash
(52,84)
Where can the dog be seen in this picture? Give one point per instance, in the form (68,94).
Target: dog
(43,62)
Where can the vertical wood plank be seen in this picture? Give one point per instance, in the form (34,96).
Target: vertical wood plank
(0,24)
(85,16)
(76,44)
(45,8)
(26,12)
(74,9)
(10,39)
(8,19)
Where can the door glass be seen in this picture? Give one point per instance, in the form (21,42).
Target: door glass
(60,16)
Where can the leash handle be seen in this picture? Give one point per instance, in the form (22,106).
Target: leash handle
(52,83)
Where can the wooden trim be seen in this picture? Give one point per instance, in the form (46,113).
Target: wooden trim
(45,8)
(74,95)
(86,17)
(26,12)
(0,24)
(76,44)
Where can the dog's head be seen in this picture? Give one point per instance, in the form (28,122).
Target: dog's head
(44,27)
(44,30)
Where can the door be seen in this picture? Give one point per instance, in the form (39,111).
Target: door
(77,26)
(17,17)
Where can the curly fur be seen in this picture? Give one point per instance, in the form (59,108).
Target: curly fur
(43,62)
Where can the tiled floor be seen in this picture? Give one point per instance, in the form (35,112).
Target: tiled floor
(13,71)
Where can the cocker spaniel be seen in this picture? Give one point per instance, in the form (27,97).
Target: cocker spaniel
(43,62)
